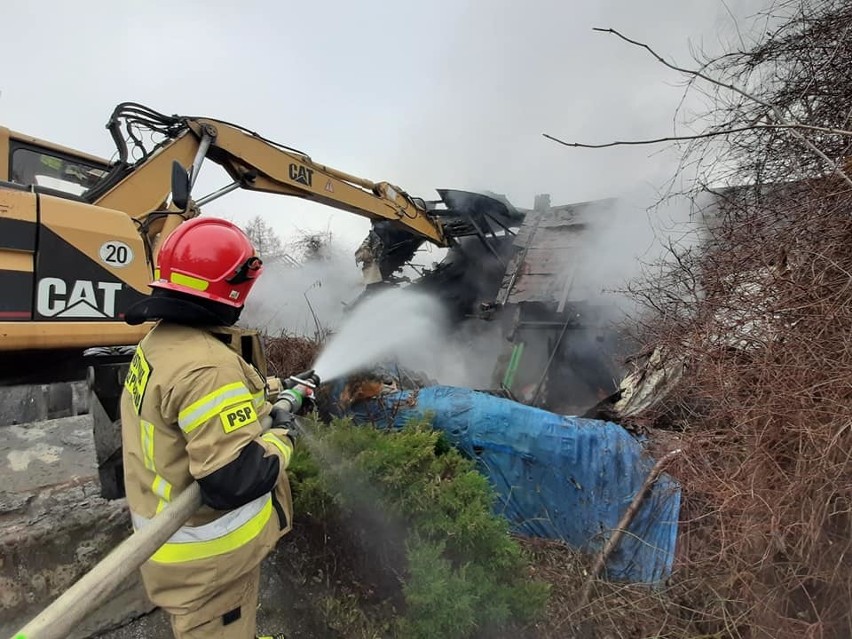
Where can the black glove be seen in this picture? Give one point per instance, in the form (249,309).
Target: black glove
(294,430)
(281,417)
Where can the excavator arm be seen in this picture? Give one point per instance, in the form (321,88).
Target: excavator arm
(261,166)
(254,163)
(401,223)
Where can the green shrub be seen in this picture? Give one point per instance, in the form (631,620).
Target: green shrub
(408,488)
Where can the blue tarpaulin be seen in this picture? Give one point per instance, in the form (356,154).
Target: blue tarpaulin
(556,477)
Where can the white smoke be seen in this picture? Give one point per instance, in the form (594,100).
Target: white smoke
(304,299)
(463,356)
(629,239)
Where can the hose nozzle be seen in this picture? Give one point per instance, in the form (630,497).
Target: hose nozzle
(309,378)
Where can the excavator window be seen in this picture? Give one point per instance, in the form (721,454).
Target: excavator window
(58,172)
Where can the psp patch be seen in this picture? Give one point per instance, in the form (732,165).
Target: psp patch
(137,378)
(238,416)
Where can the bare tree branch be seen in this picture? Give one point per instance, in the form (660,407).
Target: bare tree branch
(773,111)
(624,523)
(698,136)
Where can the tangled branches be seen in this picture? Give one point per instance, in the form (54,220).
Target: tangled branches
(760,320)
(290,354)
(803,69)
(765,412)
(799,75)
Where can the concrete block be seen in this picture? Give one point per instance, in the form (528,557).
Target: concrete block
(79,398)
(54,526)
(29,403)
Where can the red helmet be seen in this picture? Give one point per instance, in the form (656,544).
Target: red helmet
(210,258)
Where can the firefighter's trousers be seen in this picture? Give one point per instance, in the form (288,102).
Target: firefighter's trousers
(238,623)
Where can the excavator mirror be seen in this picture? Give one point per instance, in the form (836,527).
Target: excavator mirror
(180,186)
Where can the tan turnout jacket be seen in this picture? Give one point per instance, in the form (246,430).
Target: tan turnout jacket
(189,407)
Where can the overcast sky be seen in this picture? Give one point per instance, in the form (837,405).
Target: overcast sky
(438,94)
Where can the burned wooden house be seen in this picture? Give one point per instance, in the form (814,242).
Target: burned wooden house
(560,350)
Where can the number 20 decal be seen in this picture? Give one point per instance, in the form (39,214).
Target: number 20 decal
(116,254)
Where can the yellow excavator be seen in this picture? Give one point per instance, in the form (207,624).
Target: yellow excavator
(79,235)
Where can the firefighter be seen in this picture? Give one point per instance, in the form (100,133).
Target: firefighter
(190,411)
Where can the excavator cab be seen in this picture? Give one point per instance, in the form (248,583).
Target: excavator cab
(68,268)
(32,164)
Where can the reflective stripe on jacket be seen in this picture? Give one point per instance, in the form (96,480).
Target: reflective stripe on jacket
(191,411)
(219,537)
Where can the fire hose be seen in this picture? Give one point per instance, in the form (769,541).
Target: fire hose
(59,619)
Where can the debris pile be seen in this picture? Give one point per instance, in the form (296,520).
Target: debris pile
(744,368)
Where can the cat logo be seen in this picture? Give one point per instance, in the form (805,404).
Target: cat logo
(80,299)
(301,174)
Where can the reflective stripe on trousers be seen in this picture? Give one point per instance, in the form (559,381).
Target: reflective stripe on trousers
(231,531)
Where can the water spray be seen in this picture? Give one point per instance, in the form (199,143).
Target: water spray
(392,323)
